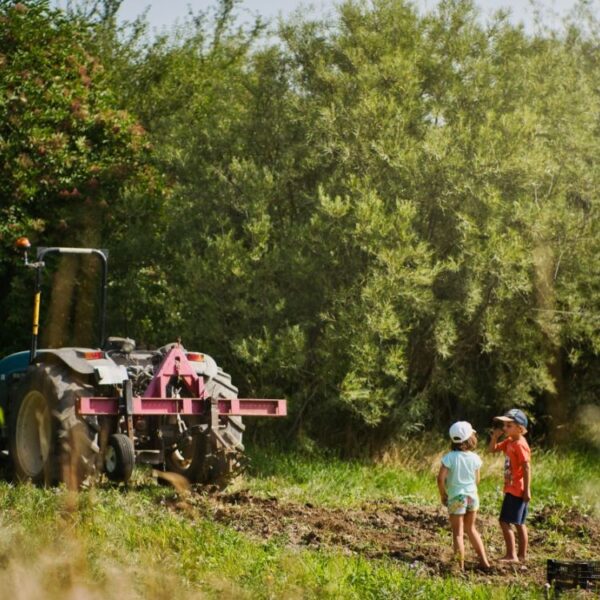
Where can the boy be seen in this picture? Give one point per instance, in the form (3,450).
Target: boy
(517,480)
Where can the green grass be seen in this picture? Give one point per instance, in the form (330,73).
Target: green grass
(566,478)
(328,481)
(113,543)
(128,545)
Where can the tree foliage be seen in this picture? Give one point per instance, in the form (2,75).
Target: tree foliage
(386,216)
(68,151)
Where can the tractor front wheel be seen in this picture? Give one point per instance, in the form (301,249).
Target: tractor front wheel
(119,458)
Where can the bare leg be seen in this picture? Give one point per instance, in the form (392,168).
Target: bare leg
(475,538)
(523,539)
(458,543)
(509,540)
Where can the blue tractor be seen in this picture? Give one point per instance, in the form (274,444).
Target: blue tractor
(74,412)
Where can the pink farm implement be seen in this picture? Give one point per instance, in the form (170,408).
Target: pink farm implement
(75,411)
(156,400)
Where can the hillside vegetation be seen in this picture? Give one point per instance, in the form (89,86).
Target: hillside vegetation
(387,217)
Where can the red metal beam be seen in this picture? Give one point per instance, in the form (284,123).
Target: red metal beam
(244,407)
(98,406)
(252,407)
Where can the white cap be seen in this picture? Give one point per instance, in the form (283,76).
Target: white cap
(461,431)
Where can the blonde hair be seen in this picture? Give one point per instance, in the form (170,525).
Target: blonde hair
(467,445)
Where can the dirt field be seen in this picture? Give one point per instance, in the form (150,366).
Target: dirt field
(412,535)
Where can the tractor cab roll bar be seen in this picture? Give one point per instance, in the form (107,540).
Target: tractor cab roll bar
(23,245)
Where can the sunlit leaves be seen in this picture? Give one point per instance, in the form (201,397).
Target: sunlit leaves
(68,153)
(389,217)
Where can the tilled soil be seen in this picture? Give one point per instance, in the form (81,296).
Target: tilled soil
(417,536)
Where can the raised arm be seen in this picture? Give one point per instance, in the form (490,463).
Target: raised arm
(496,433)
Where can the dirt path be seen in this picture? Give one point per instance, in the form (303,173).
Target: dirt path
(414,535)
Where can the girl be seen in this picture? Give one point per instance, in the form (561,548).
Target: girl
(457,482)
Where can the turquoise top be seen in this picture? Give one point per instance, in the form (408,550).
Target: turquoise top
(462,469)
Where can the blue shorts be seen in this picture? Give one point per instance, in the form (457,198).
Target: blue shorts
(514,510)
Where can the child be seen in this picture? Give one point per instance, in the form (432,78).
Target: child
(517,481)
(457,482)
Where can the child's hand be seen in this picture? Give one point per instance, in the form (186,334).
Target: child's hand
(496,432)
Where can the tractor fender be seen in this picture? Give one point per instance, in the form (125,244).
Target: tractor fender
(14,363)
(107,372)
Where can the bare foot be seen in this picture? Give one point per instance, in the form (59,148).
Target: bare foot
(508,559)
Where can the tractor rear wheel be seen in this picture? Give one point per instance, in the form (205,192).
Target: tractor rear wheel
(48,442)
(32,439)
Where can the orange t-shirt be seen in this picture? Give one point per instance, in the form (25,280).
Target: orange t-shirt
(517,452)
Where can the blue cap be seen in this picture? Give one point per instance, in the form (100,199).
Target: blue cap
(516,416)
